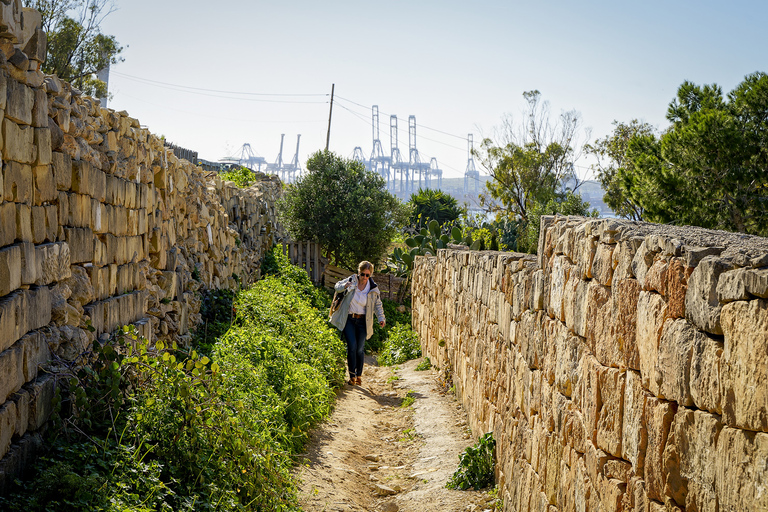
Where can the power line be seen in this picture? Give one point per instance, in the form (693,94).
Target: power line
(207,92)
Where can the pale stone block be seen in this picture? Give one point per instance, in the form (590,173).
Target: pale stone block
(11,368)
(98,184)
(742,283)
(62,170)
(602,265)
(702,307)
(561,270)
(676,287)
(17,182)
(611,383)
(80,241)
(7,223)
(741,477)
(36,354)
(18,143)
(51,222)
(601,335)
(40,109)
(744,372)
(21,100)
(691,460)
(82,176)
(10,269)
(21,399)
(28,263)
(642,262)
(673,366)
(44,184)
(651,313)
(11,318)
(8,420)
(658,417)
(588,399)
(43,144)
(39,224)
(705,373)
(41,404)
(24,223)
(52,263)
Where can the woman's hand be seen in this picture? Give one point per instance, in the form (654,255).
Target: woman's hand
(382,323)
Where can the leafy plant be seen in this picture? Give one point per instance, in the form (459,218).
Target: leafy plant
(394,317)
(242,177)
(427,242)
(430,204)
(408,400)
(476,466)
(401,346)
(426,364)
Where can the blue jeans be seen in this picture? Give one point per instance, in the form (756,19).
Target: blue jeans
(354,336)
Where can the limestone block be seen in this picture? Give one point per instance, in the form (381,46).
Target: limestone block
(62,170)
(52,263)
(702,307)
(585,249)
(17,182)
(80,241)
(673,366)
(658,417)
(740,470)
(99,217)
(676,287)
(20,101)
(36,353)
(651,313)
(10,269)
(744,372)
(21,400)
(656,277)
(24,223)
(11,368)
(43,145)
(561,270)
(588,398)
(11,318)
(39,224)
(28,263)
(168,283)
(537,293)
(602,265)
(41,392)
(82,177)
(601,331)
(7,223)
(530,339)
(40,109)
(691,460)
(8,415)
(742,283)
(18,143)
(642,262)
(705,373)
(51,222)
(575,303)
(570,350)
(44,184)
(611,383)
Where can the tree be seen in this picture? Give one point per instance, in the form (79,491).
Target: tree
(531,164)
(611,154)
(344,207)
(710,167)
(77,49)
(430,205)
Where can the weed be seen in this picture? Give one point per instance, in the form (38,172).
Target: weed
(426,364)
(408,400)
(475,469)
(401,346)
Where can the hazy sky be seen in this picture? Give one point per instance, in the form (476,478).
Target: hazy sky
(457,66)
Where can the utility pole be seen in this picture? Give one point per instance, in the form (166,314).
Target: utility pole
(328,139)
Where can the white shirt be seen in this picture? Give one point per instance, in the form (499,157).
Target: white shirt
(357,306)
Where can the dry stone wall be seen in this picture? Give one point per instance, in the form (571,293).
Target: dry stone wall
(100,226)
(623,369)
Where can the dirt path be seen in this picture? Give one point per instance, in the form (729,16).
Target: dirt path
(374,455)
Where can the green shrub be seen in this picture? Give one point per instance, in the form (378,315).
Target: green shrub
(426,364)
(402,345)
(475,469)
(380,334)
(241,176)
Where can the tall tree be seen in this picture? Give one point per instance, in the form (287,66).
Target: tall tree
(531,163)
(429,204)
(710,167)
(77,49)
(344,207)
(611,155)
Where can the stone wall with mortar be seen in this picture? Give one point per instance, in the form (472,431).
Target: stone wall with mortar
(100,226)
(623,369)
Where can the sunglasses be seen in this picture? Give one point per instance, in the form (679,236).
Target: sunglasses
(365,275)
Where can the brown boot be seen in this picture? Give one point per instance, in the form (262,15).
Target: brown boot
(358,381)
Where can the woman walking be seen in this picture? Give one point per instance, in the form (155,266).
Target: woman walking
(354,318)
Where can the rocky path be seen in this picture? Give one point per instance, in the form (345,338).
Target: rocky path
(373,454)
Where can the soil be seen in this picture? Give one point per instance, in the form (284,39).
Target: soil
(373,454)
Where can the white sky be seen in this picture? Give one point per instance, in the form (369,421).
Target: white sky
(457,66)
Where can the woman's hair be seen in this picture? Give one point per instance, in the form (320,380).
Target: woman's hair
(364,265)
